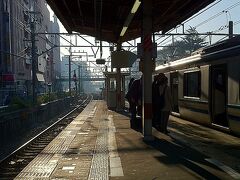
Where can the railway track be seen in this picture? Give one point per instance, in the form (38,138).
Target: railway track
(13,164)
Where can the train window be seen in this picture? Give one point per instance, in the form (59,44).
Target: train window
(192,84)
(113,83)
(175,80)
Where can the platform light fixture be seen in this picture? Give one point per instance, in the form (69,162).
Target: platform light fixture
(135,6)
(124,29)
(130,17)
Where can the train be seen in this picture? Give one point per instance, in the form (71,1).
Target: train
(205,86)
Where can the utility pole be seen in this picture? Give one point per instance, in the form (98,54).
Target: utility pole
(230,29)
(79,80)
(34,59)
(81,77)
(69,67)
(69,72)
(75,81)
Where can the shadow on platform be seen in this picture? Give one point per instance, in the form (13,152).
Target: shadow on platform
(177,153)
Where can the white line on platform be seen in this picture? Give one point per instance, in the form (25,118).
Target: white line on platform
(115,161)
(225,168)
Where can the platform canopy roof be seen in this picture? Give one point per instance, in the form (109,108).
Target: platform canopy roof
(105,19)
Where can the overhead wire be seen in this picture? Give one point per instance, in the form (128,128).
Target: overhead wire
(206,21)
(218,14)
(194,16)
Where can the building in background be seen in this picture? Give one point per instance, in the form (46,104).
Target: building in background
(15,63)
(5,37)
(55,52)
(42,26)
(16,47)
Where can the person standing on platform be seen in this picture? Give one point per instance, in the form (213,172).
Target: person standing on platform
(157,100)
(164,90)
(135,96)
(155,97)
(128,94)
(130,83)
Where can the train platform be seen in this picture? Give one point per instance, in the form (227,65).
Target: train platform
(99,144)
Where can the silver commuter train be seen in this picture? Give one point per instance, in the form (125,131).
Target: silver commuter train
(205,87)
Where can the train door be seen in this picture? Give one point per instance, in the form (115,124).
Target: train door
(219,94)
(174,90)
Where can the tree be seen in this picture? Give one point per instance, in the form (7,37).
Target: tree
(193,41)
(182,48)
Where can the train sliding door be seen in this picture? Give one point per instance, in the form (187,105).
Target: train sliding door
(219,94)
(174,90)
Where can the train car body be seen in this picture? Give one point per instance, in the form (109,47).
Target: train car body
(205,87)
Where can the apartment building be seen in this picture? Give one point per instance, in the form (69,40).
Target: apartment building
(55,64)
(16,47)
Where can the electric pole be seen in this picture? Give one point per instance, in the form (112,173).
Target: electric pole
(69,72)
(79,80)
(69,67)
(230,29)
(75,81)
(34,59)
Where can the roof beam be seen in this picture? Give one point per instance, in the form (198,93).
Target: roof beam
(80,12)
(69,12)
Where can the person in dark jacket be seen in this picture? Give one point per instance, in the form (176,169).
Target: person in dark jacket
(128,94)
(155,93)
(130,83)
(166,107)
(135,96)
(157,100)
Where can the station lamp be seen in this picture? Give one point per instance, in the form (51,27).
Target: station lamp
(135,6)
(130,16)
(124,29)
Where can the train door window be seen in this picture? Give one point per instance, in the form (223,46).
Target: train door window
(174,90)
(219,94)
(113,84)
(192,84)
(175,80)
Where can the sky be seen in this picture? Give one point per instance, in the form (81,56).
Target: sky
(214,19)
(218,16)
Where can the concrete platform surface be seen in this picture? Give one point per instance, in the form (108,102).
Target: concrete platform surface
(99,144)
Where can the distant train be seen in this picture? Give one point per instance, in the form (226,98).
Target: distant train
(206,86)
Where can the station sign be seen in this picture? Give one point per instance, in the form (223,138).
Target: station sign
(7,78)
(122,59)
(100,61)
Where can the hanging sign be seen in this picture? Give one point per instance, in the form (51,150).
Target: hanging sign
(147,43)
